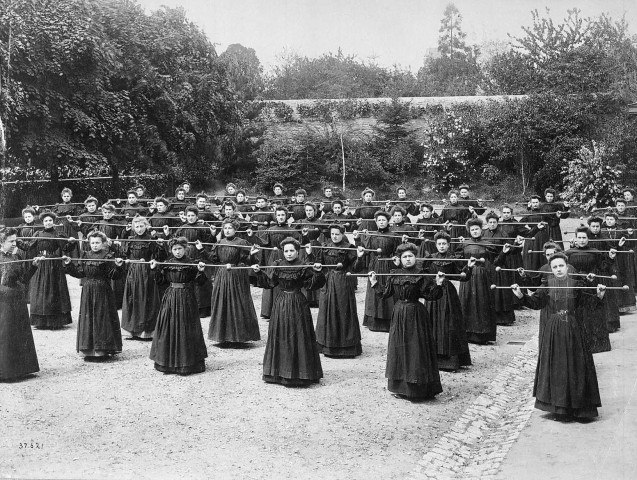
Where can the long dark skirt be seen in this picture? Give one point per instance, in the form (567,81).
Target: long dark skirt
(626,298)
(593,320)
(269,294)
(504,300)
(233,317)
(533,261)
(291,352)
(412,366)
(98,330)
(565,377)
(337,331)
(476,301)
(449,329)
(17,350)
(178,343)
(378,311)
(203,293)
(141,301)
(50,300)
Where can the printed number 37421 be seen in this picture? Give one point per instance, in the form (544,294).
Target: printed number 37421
(34,445)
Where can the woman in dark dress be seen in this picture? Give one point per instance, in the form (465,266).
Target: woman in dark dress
(98,331)
(141,296)
(427,232)
(337,330)
(449,327)
(476,296)
(378,310)
(291,352)
(65,210)
(178,343)
(17,350)
(27,229)
(50,300)
(614,229)
(114,229)
(412,365)
(233,319)
(565,378)
(365,213)
(589,260)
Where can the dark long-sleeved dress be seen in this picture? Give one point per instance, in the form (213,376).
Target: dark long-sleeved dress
(17,349)
(378,310)
(337,330)
(449,327)
(594,314)
(49,292)
(428,245)
(62,210)
(291,352)
(114,229)
(476,296)
(626,271)
(366,212)
(27,230)
(233,317)
(98,330)
(412,365)
(178,343)
(141,295)
(536,239)
(504,302)
(554,228)
(565,377)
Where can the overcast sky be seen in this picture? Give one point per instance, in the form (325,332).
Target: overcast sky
(388,31)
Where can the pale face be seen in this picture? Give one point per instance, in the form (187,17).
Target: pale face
(290,252)
(408,259)
(426,213)
(628,196)
(535,203)
(9,243)
(381,222)
(581,240)
(162,207)
(492,223)
(367,197)
(397,217)
(281,216)
(107,214)
(181,195)
(506,214)
(278,191)
(621,207)
(442,245)
(228,230)
(595,227)
(241,197)
(549,252)
(178,251)
(28,217)
(453,198)
(464,193)
(201,203)
(231,190)
(336,235)
(337,208)
(475,231)
(66,197)
(228,211)
(300,199)
(140,192)
(96,244)
(91,207)
(139,228)
(47,222)
(260,203)
(309,211)
(558,267)
(402,194)
(132,198)
(186,188)
(549,197)
(610,221)
(191,217)
(328,192)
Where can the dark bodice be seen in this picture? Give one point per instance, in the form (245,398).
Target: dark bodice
(588,260)
(409,288)
(222,253)
(97,270)
(146,249)
(11,274)
(174,271)
(45,243)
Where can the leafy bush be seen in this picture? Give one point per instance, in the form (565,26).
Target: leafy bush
(590,178)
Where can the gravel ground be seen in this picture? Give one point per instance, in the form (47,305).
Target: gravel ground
(123,419)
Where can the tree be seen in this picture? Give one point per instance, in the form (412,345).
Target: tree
(451,42)
(244,70)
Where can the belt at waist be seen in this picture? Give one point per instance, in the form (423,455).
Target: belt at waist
(177,285)
(291,291)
